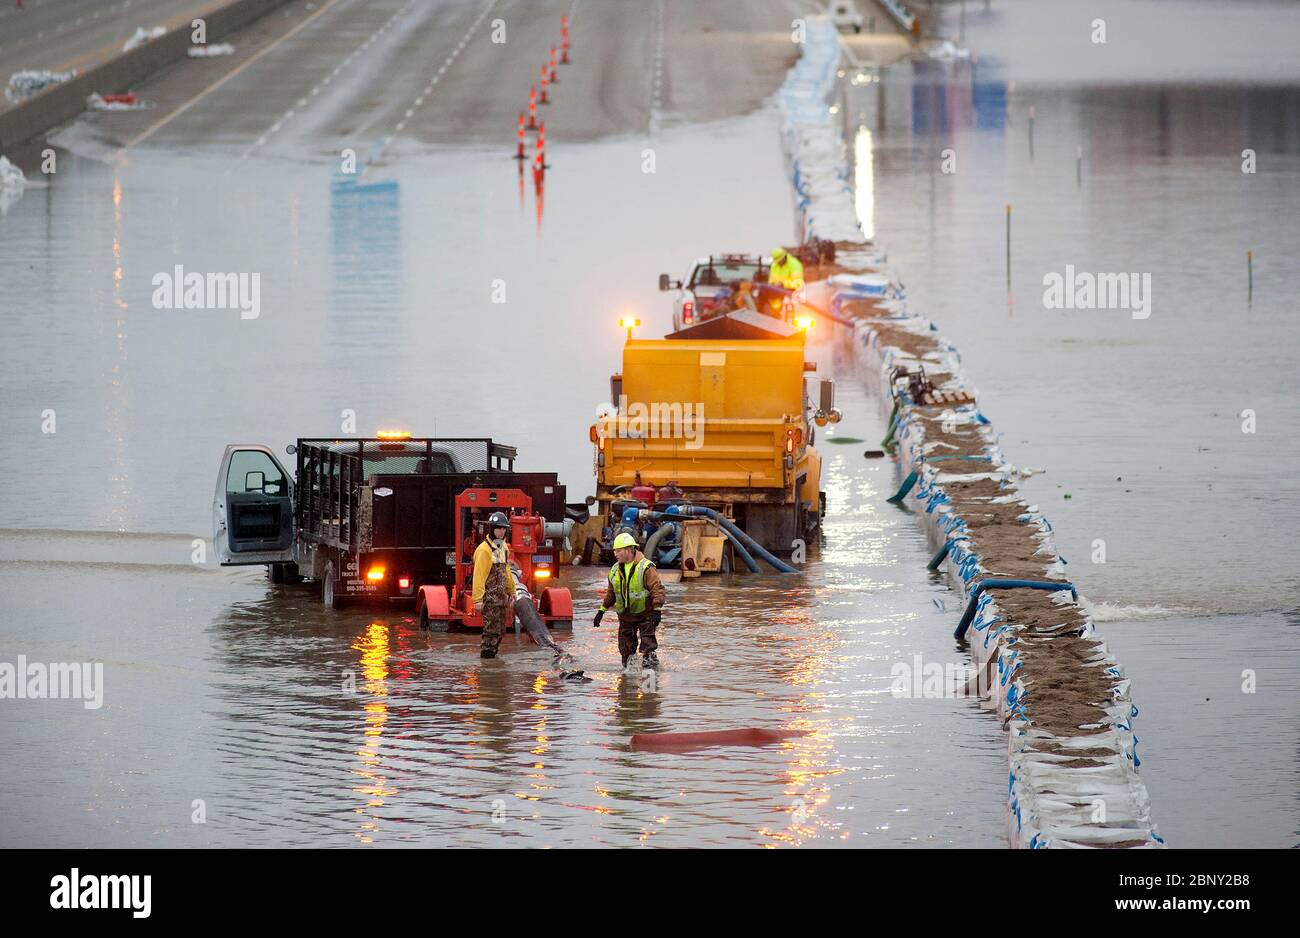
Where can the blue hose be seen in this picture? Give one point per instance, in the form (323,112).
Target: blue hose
(999,584)
(749,561)
(903,489)
(938,558)
(777,564)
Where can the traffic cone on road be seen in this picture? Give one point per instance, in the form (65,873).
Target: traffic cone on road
(520,154)
(532,108)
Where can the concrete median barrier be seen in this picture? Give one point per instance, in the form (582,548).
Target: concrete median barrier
(61,103)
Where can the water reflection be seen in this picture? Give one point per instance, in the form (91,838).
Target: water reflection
(437,746)
(366,229)
(374,651)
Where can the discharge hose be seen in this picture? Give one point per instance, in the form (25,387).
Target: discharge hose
(1003,584)
(777,564)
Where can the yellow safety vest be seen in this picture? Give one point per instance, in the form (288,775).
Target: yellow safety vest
(788,275)
(630,594)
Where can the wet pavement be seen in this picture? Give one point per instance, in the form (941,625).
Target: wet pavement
(295,725)
(298,726)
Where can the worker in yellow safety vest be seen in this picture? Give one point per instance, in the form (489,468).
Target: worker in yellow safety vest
(636,593)
(786,272)
(493,586)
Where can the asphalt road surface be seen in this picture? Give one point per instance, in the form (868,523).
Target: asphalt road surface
(62,35)
(378,75)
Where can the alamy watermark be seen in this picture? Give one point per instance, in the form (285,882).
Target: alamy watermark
(659,419)
(59,680)
(1084,290)
(936,680)
(79,890)
(177,289)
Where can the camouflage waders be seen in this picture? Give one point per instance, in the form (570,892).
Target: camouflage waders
(496,609)
(631,627)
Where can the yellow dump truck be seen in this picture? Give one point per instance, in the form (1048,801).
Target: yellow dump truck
(722,423)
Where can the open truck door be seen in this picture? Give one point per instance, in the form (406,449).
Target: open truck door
(252,508)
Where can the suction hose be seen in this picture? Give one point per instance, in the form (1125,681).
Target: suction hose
(738,535)
(652,542)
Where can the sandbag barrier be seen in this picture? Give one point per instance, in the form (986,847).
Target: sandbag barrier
(1073,764)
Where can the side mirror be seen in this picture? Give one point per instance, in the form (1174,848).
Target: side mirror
(255,481)
(291,449)
(664,282)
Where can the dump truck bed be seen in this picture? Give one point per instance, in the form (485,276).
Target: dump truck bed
(347,501)
(706,414)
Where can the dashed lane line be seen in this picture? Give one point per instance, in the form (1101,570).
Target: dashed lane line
(145,135)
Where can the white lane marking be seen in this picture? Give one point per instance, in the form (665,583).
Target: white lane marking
(657,92)
(261,141)
(149,132)
(419,102)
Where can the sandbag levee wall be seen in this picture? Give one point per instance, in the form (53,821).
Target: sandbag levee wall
(1072,779)
(56,105)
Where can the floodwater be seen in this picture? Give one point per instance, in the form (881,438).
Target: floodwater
(286,724)
(297,726)
(1168,442)
(224,689)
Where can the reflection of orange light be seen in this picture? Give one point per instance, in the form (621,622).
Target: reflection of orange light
(375,574)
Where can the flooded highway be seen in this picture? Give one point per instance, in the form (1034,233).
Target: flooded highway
(299,726)
(445,292)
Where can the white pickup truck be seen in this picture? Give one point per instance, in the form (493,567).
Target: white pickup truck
(710,283)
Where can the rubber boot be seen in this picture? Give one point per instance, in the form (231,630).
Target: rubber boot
(485,653)
(650,660)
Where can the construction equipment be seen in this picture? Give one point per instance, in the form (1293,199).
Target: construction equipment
(533,557)
(728,422)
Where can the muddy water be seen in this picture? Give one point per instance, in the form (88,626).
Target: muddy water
(293,725)
(1177,525)
(223,688)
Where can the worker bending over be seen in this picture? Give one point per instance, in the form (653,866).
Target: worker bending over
(637,596)
(494,585)
(786,272)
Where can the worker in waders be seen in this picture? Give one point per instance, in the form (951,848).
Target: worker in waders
(786,272)
(637,596)
(494,585)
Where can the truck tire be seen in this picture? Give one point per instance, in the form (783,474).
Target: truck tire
(276,572)
(329,589)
